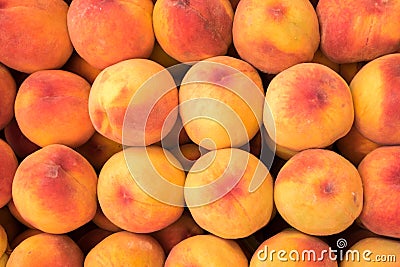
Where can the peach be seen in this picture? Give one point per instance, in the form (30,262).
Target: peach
(173,234)
(354,31)
(318,192)
(232,91)
(274,35)
(320,58)
(161,57)
(79,66)
(20,144)
(373,251)
(51,107)
(125,196)
(22,236)
(35,35)
(91,239)
(375,89)
(309,106)
(187,154)
(177,135)
(207,32)
(349,70)
(8,91)
(46,250)
(17,215)
(121,98)
(60,187)
(8,167)
(98,149)
(3,260)
(126,249)
(354,146)
(293,248)
(107,32)
(3,240)
(11,225)
(229,193)
(379,171)
(101,221)
(219,251)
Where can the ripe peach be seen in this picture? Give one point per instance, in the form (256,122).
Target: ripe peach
(320,58)
(187,154)
(354,146)
(60,187)
(219,251)
(349,70)
(375,89)
(354,31)
(3,260)
(219,191)
(126,249)
(311,107)
(318,192)
(3,240)
(274,35)
(79,66)
(293,245)
(8,92)
(120,97)
(8,166)
(20,144)
(51,107)
(101,221)
(177,135)
(107,32)
(46,250)
(208,30)
(17,215)
(122,197)
(90,239)
(22,236)
(232,91)
(379,171)
(11,225)
(35,35)
(161,57)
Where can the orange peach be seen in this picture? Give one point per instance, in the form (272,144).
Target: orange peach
(35,35)
(107,32)
(8,91)
(22,236)
(373,251)
(293,248)
(354,146)
(121,98)
(101,221)
(375,89)
(320,58)
(125,198)
(3,241)
(51,107)
(126,249)
(90,239)
(173,234)
(17,215)
(229,193)
(349,70)
(309,106)
(274,35)
(20,144)
(46,250)
(11,225)
(60,187)
(3,260)
(354,31)
(98,149)
(219,251)
(232,91)
(79,66)
(207,31)
(379,171)
(177,135)
(8,166)
(160,56)
(318,192)
(187,154)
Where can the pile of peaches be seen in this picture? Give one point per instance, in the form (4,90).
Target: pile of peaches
(199,132)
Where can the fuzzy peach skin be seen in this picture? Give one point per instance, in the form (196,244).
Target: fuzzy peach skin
(35,35)
(376,94)
(187,154)
(8,166)
(233,115)
(125,203)
(106,32)
(8,91)
(46,250)
(349,70)
(320,58)
(354,146)
(112,103)
(126,249)
(60,187)
(3,260)
(374,251)
(160,56)
(20,144)
(379,171)
(22,236)
(311,107)
(318,192)
(15,213)
(90,239)
(292,240)
(227,208)
(3,240)
(274,35)
(206,250)
(51,107)
(79,66)
(101,221)
(10,224)
(360,30)
(207,31)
